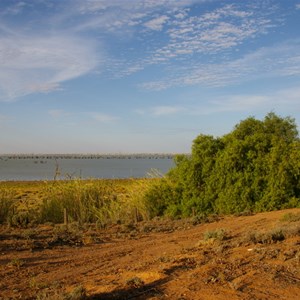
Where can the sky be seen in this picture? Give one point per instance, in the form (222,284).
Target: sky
(142,76)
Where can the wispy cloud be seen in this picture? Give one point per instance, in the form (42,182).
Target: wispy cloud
(58,113)
(166,110)
(39,61)
(233,103)
(4,120)
(113,15)
(40,64)
(104,118)
(277,61)
(157,23)
(14,9)
(298,6)
(189,38)
(286,100)
(281,100)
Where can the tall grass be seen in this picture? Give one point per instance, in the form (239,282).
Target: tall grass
(95,201)
(7,202)
(86,201)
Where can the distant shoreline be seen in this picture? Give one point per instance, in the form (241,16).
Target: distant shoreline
(89,156)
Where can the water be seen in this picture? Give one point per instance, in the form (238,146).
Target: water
(66,168)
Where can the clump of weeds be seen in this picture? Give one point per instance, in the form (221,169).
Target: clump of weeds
(290,217)
(217,234)
(66,235)
(17,263)
(135,282)
(78,293)
(272,236)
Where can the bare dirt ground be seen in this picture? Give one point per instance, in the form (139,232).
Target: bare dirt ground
(244,257)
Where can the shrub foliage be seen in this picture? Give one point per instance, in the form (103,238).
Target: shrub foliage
(256,167)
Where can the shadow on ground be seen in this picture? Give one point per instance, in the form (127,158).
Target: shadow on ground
(144,292)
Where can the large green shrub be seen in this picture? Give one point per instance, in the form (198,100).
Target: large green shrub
(256,167)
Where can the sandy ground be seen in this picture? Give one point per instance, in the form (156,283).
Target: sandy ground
(245,257)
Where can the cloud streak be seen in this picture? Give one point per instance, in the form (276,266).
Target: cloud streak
(104,118)
(166,110)
(58,113)
(38,64)
(280,100)
(157,23)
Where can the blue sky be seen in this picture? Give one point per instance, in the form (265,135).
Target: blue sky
(121,76)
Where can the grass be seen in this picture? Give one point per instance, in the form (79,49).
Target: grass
(7,201)
(290,217)
(78,293)
(135,282)
(23,204)
(218,234)
(274,235)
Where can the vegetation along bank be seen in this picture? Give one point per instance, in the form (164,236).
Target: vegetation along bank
(254,168)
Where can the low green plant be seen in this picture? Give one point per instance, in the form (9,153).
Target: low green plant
(23,218)
(135,282)
(63,235)
(16,262)
(290,217)
(217,234)
(78,293)
(269,237)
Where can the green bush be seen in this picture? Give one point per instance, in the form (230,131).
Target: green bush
(256,167)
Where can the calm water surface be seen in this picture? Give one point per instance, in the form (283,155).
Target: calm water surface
(45,169)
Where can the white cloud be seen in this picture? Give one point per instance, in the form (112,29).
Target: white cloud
(58,113)
(298,6)
(94,6)
(219,31)
(286,100)
(104,118)
(236,103)
(139,111)
(14,9)
(113,15)
(157,23)
(215,31)
(276,61)
(166,110)
(40,64)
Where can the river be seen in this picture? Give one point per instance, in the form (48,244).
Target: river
(49,168)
